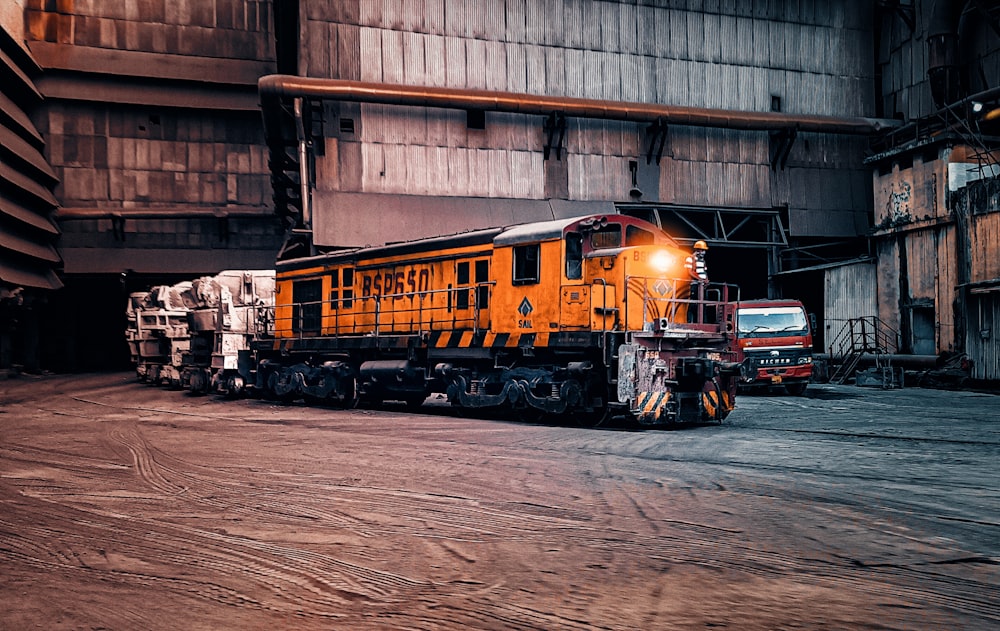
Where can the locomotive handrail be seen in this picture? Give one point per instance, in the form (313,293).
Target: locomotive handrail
(674,298)
(337,310)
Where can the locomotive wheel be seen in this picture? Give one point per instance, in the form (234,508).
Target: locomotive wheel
(351,396)
(593,418)
(597,416)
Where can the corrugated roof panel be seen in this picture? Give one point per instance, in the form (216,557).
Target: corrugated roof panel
(475,63)
(645,20)
(434,17)
(591,16)
(495,19)
(535,71)
(556,69)
(455,62)
(516,24)
(371,55)
(718,46)
(414,68)
(517,70)
(572,18)
(628,28)
(393,59)
(435,61)
(496,66)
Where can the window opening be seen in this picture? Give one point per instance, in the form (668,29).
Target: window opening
(526,264)
(574,256)
(482,278)
(462,281)
(634,235)
(608,237)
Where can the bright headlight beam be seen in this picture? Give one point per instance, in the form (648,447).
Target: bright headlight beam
(661,261)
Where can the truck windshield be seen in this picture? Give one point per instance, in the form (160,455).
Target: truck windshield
(753,321)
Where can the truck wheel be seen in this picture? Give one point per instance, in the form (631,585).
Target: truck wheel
(796,389)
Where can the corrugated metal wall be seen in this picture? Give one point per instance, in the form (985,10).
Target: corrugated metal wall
(804,57)
(983,336)
(849,291)
(979,205)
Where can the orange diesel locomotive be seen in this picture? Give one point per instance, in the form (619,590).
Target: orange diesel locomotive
(585,317)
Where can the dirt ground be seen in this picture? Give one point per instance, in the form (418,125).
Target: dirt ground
(131,507)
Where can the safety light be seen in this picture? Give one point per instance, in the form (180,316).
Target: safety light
(977,107)
(661,261)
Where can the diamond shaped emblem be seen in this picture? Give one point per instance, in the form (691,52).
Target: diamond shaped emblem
(525,307)
(661,287)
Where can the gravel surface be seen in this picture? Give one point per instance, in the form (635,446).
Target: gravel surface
(131,507)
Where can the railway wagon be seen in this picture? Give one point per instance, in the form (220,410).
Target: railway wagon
(157,332)
(230,310)
(584,318)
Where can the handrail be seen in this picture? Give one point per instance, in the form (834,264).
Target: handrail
(866,334)
(372,316)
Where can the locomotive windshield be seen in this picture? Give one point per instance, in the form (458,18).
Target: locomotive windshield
(610,236)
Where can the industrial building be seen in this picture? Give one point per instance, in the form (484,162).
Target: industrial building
(843,153)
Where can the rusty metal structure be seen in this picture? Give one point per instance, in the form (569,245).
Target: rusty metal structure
(934,238)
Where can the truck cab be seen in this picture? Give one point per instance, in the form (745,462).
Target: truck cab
(774,344)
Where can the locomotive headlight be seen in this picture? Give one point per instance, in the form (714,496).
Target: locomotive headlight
(661,261)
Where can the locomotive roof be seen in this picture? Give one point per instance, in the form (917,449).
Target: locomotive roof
(554,229)
(522,233)
(537,231)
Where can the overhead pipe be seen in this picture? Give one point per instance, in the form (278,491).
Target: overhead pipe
(274,88)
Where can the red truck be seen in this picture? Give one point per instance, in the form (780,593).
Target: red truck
(774,342)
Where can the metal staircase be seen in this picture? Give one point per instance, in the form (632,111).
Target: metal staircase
(858,337)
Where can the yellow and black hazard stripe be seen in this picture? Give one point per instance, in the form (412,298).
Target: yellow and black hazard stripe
(726,402)
(710,403)
(489,339)
(648,404)
(451,339)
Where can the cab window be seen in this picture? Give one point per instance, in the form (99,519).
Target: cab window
(342,293)
(526,264)
(634,235)
(609,236)
(462,281)
(574,255)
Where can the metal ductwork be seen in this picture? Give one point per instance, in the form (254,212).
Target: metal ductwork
(943,68)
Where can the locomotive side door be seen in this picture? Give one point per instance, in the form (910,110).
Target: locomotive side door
(574,295)
(481,277)
(472,293)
